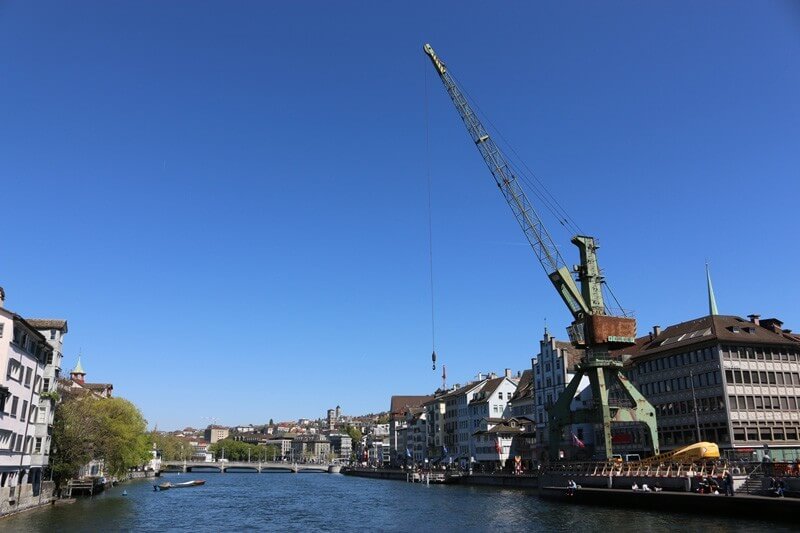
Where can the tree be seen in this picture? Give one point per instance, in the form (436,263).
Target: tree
(124,443)
(236,450)
(172,448)
(86,428)
(354,433)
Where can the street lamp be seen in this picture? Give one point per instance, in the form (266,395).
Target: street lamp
(694,407)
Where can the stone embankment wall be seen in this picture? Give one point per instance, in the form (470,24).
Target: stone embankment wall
(141,474)
(679,484)
(500,480)
(21,497)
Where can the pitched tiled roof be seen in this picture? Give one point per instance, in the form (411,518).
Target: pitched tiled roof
(722,328)
(399,404)
(524,386)
(48,323)
(97,386)
(460,390)
(488,389)
(574,354)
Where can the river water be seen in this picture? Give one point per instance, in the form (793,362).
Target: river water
(333,502)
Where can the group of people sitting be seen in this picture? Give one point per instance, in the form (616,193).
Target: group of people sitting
(777,487)
(646,488)
(572,487)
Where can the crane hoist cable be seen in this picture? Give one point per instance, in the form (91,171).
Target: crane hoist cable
(430,219)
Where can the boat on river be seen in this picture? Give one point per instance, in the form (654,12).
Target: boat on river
(168,485)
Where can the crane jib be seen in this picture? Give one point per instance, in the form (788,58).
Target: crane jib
(535,231)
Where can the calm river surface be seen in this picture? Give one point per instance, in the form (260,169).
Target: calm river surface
(328,502)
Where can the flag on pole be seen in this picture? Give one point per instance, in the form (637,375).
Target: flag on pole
(497,446)
(408,452)
(577,442)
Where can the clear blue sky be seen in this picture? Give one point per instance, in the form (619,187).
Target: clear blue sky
(228,200)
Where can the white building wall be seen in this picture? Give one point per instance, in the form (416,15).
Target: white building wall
(551,374)
(43,438)
(21,373)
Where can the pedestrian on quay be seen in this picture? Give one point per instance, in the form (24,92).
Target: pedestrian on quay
(727,479)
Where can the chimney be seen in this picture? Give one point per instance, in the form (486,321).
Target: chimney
(772,324)
(508,372)
(2,297)
(755,319)
(656,331)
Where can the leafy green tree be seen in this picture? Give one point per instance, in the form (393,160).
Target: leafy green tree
(236,450)
(354,433)
(124,443)
(86,427)
(172,448)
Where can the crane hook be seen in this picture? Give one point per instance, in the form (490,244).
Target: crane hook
(433,358)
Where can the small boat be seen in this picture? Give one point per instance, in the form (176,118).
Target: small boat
(192,483)
(167,485)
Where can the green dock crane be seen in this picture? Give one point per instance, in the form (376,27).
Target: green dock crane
(593,328)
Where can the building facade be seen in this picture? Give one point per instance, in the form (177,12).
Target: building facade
(53,330)
(398,406)
(215,433)
(24,352)
(341,447)
(553,369)
(312,448)
(723,379)
(490,402)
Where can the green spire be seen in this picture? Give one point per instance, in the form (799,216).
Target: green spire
(712,301)
(78,368)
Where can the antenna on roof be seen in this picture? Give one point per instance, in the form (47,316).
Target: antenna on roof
(444,377)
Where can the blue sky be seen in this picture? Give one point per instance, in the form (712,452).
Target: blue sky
(228,200)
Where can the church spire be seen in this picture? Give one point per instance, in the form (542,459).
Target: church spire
(78,373)
(712,301)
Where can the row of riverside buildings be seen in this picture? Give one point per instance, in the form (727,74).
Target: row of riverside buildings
(31,351)
(718,378)
(304,440)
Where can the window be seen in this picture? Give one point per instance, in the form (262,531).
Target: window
(1,330)
(14,402)
(28,377)
(732,401)
(24,412)
(46,385)
(52,334)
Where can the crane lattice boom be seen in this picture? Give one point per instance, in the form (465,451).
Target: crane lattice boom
(527,217)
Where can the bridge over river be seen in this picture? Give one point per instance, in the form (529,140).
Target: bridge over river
(245,467)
